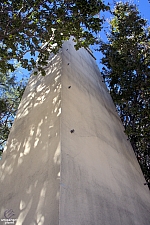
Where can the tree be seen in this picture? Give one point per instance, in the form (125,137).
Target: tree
(126,60)
(33,27)
(11,92)
(26,25)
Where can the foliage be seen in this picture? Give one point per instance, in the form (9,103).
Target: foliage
(38,27)
(25,25)
(10,95)
(126,60)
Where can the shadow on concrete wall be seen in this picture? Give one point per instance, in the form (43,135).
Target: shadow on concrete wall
(30,168)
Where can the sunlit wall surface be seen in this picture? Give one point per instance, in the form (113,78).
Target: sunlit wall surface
(68,161)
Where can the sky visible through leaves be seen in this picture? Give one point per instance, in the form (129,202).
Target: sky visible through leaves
(144,9)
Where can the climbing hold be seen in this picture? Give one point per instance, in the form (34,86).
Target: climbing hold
(72,131)
(69,87)
(68,63)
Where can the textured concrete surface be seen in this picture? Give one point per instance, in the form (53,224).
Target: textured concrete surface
(68,161)
(30,168)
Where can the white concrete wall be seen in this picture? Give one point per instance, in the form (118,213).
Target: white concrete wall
(30,167)
(101,181)
(50,176)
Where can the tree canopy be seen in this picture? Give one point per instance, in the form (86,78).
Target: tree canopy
(10,95)
(25,25)
(126,60)
(38,27)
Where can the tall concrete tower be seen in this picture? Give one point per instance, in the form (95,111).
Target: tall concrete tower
(68,161)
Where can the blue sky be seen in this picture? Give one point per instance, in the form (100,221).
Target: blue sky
(144,8)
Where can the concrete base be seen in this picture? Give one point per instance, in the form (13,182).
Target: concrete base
(68,161)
